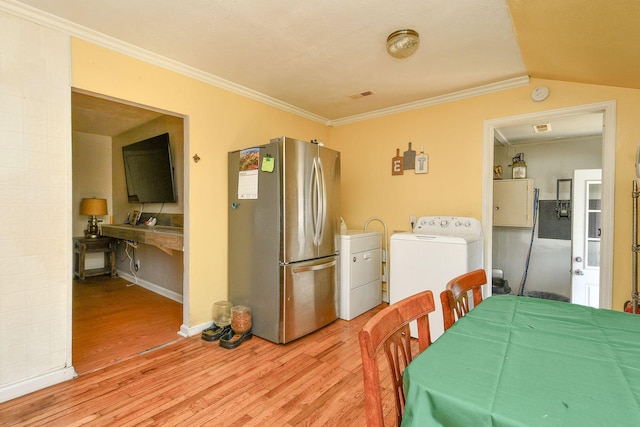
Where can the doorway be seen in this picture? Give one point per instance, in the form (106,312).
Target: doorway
(492,131)
(100,127)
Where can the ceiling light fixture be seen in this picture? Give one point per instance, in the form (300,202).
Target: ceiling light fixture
(403,43)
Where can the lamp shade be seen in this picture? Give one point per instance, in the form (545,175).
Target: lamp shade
(93,207)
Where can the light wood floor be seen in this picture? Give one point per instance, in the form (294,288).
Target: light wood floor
(114,320)
(313,381)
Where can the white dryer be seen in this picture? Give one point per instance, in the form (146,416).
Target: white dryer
(439,249)
(360,272)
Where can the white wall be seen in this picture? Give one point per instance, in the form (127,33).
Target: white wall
(550,264)
(35,207)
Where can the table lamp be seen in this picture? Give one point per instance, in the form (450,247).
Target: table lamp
(93,207)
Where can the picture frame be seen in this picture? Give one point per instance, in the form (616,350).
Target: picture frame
(135,217)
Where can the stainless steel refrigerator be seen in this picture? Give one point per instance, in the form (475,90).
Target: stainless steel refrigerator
(284,202)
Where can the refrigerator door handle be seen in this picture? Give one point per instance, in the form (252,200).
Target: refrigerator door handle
(322,206)
(314,267)
(316,202)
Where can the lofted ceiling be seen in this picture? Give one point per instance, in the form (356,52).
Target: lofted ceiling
(319,56)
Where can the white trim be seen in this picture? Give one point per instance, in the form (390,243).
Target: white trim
(40,17)
(189,331)
(84,33)
(151,286)
(608,108)
(30,385)
(48,20)
(450,97)
(186,261)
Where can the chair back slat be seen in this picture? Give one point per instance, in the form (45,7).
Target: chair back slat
(455,298)
(388,332)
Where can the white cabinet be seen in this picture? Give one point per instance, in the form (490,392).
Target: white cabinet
(513,202)
(360,272)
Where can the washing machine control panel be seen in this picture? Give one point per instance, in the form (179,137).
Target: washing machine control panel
(448,226)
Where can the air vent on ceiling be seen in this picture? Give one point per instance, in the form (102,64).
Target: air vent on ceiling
(361,94)
(543,127)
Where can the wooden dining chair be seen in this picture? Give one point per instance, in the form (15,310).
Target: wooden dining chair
(388,331)
(455,297)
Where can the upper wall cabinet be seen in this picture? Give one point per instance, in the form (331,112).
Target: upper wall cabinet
(513,203)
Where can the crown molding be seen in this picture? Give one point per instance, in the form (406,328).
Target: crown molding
(51,21)
(450,97)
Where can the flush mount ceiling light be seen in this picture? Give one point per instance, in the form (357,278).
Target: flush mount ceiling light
(403,43)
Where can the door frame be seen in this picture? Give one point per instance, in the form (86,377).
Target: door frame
(608,110)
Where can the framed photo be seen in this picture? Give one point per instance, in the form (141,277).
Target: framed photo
(135,217)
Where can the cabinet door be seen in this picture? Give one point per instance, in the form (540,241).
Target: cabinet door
(513,203)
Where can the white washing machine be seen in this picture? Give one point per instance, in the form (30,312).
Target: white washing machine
(439,249)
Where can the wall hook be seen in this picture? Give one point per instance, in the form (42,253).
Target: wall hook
(196,158)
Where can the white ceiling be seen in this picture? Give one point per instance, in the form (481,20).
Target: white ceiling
(558,128)
(315,55)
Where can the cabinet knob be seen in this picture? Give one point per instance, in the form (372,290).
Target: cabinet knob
(354,259)
(497,208)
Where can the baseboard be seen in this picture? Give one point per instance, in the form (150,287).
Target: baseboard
(152,287)
(189,331)
(30,385)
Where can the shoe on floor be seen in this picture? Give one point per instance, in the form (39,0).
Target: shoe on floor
(234,340)
(215,332)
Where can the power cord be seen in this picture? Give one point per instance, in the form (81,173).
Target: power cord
(132,267)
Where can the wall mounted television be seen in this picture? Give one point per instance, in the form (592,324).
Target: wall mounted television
(149,171)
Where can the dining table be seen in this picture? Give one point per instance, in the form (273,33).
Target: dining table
(521,361)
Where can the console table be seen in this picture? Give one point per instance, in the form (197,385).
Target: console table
(82,246)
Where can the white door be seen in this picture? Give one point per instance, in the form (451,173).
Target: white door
(586,233)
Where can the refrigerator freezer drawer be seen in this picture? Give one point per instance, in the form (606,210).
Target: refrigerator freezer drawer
(309,297)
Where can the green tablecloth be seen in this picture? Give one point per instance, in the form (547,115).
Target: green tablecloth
(518,361)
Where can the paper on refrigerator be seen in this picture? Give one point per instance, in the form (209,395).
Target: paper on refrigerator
(248,173)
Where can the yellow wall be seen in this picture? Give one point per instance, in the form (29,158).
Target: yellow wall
(220,121)
(452,135)
(217,122)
